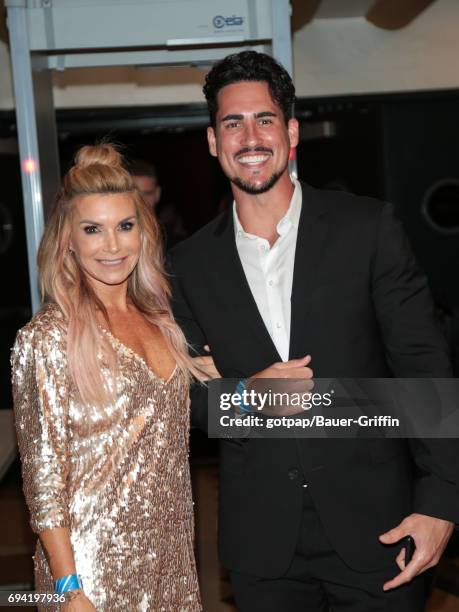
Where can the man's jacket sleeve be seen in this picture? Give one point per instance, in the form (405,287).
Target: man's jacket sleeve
(415,348)
(196,341)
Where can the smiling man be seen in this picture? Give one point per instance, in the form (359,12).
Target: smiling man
(252,147)
(293,277)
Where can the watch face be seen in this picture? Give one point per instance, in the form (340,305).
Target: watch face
(6,228)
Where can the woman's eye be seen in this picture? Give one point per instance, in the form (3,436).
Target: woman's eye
(126,226)
(90,229)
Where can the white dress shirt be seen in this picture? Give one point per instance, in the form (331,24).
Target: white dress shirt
(269,271)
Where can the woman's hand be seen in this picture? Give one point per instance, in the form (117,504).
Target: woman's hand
(207,365)
(77,602)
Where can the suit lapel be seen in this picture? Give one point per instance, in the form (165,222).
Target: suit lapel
(311,240)
(228,269)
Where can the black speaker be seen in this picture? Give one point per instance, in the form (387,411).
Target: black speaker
(421,176)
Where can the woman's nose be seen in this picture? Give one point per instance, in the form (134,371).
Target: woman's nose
(111,242)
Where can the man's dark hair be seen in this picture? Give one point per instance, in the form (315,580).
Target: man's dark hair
(250,66)
(141,167)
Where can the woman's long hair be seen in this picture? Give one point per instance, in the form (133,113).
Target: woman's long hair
(99,169)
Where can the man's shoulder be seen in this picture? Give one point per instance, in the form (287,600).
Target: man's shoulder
(348,208)
(344,204)
(201,243)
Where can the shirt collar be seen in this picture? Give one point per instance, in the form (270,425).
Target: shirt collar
(289,220)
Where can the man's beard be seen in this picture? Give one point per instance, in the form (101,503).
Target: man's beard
(257,189)
(252,188)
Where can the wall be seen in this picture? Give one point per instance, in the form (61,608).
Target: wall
(332,57)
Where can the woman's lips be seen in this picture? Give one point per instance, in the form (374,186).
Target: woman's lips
(112,262)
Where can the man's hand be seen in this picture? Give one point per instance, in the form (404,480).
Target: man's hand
(430,536)
(284,378)
(207,365)
(295,368)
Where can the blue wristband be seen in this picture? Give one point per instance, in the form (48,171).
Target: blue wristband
(240,388)
(68,583)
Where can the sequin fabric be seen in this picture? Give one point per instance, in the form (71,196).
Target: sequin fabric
(117,477)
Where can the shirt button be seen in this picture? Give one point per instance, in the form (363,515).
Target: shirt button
(278,325)
(270,283)
(293,473)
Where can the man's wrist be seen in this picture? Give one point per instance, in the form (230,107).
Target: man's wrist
(243,407)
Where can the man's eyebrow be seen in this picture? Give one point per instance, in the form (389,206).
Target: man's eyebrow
(256,115)
(265,114)
(232,118)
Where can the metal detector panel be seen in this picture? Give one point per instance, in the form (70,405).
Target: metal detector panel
(58,34)
(108,24)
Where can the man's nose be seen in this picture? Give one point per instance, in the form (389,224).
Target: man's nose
(111,242)
(251,135)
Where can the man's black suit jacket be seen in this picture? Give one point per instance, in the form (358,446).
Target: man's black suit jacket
(361,308)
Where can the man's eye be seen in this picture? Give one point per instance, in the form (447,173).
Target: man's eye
(232,124)
(265,121)
(90,229)
(126,226)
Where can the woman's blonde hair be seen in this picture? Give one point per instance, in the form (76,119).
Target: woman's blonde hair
(99,169)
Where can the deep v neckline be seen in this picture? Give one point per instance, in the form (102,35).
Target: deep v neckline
(128,350)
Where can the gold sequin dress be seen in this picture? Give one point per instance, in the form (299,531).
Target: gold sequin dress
(117,477)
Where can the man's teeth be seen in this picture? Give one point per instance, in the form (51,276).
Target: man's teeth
(253,159)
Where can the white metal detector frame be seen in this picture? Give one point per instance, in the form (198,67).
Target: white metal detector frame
(48,35)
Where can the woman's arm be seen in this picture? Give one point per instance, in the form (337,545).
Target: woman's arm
(41,399)
(58,551)
(59,554)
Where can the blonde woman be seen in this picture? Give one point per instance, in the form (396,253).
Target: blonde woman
(100,381)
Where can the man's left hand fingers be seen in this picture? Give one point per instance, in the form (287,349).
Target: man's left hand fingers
(395,534)
(414,567)
(205,361)
(430,535)
(400,560)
